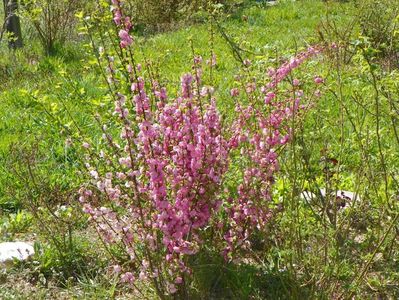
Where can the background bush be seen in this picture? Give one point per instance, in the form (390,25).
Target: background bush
(54,20)
(313,249)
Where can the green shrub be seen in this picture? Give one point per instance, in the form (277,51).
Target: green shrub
(54,20)
(162,15)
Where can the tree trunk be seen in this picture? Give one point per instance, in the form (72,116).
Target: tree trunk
(12,24)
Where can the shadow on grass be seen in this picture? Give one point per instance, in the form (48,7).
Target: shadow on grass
(216,279)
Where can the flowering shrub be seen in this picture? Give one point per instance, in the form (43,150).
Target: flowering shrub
(159,188)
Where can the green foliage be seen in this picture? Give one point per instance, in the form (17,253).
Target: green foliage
(65,265)
(314,249)
(159,16)
(15,223)
(379,24)
(54,20)
(215,278)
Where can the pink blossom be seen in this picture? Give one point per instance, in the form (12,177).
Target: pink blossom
(186,81)
(318,80)
(197,60)
(269,97)
(168,181)
(117,17)
(178,280)
(117,269)
(251,87)
(127,277)
(247,62)
(213,61)
(172,288)
(126,39)
(234,92)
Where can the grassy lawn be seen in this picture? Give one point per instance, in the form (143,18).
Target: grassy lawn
(345,141)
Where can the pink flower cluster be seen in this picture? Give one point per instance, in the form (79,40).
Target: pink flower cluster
(260,130)
(160,186)
(168,174)
(276,76)
(123,23)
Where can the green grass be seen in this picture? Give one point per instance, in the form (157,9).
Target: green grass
(304,256)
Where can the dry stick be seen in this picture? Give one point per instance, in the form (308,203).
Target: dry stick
(124,58)
(212,54)
(366,267)
(71,117)
(3,29)
(358,137)
(234,47)
(93,45)
(197,78)
(392,115)
(31,173)
(378,123)
(79,132)
(100,65)
(341,154)
(295,204)
(34,210)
